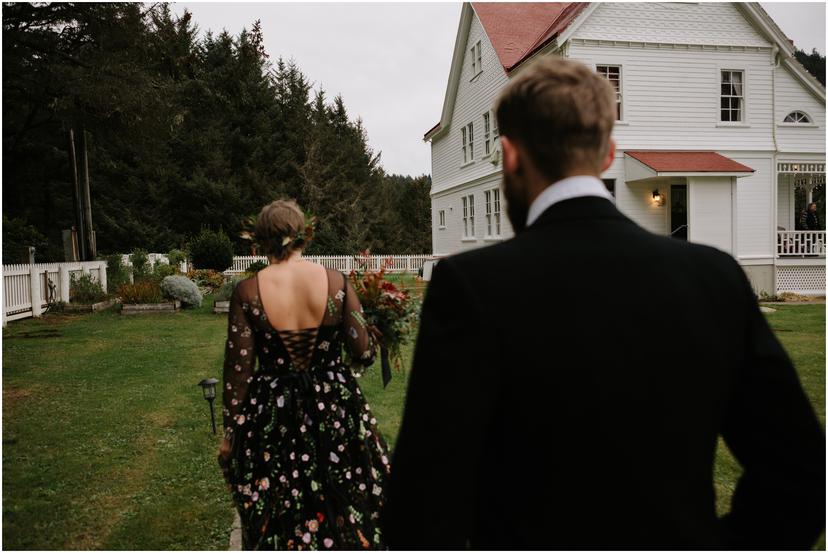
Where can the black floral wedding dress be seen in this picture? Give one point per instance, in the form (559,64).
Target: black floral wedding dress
(308,465)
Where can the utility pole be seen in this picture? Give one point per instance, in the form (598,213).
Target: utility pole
(77,202)
(91,249)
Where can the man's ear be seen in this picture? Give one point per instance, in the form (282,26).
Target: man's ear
(511,155)
(610,157)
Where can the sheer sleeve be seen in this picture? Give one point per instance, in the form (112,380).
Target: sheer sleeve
(358,338)
(239,361)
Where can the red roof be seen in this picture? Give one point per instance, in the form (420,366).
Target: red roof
(689,162)
(518,29)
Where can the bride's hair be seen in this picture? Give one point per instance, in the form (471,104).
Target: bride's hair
(280,229)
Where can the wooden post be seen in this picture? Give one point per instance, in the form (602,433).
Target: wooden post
(34,284)
(77,203)
(65,283)
(87,200)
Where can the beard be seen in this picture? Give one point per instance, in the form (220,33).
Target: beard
(517,207)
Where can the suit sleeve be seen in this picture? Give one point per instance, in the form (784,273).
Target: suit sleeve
(771,428)
(449,407)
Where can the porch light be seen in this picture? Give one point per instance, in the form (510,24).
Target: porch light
(658,199)
(208,388)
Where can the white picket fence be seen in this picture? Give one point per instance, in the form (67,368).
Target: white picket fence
(344,263)
(26,287)
(153,258)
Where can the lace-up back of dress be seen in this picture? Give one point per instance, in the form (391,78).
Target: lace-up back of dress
(300,345)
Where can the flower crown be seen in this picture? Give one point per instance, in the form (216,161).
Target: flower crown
(298,240)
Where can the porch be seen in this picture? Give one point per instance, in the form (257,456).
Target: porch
(800,238)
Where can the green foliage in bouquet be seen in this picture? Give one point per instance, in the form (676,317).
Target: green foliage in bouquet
(392,310)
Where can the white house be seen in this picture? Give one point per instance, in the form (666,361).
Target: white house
(718,126)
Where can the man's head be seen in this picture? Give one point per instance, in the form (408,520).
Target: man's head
(555,119)
(812,207)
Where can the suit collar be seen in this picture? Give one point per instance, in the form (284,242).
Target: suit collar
(583,207)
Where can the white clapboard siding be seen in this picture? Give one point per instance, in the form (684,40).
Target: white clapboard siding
(710,23)
(18,281)
(475,96)
(671,97)
(792,96)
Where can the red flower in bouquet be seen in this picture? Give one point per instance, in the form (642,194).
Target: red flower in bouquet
(391,310)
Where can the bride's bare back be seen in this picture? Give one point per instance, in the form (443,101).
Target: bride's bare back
(294,294)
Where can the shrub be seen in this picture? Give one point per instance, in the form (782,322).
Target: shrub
(211,250)
(116,272)
(140,264)
(226,291)
(181,288)
(162,270)
(145,291)
(256,266)
(177,257)
(206,278)
(84,289)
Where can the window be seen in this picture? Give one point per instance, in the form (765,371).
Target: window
(613,74)
(733,96)
(797,117)
(476,59)
(610,184)
(468,216)
(468,143)
(493,212)
(487,145)
(442,218)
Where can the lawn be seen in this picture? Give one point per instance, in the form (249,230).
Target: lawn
(106,438)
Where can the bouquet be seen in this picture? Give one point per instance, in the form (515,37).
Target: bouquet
(389,309)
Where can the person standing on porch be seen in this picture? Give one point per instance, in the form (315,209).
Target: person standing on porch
(570,385)
(812,217)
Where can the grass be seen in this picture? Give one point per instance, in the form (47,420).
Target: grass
(106,438)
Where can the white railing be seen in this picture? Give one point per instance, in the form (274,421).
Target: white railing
(26,288)
(802,243)
(344,263)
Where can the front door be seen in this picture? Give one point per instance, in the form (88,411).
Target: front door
(678,211)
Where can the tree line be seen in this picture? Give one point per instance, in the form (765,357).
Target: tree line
(185,131)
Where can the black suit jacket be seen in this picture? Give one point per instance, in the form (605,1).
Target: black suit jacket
(570,385)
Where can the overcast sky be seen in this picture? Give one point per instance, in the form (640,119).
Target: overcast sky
(390,61)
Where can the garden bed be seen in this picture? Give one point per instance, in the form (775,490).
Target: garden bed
(220,306)
(149,308)
(88,307)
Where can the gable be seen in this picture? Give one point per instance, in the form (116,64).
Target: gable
(705,23)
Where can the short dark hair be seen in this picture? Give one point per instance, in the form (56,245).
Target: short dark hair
(560,112)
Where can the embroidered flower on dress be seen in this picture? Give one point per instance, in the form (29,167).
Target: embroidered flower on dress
(313,525)
(334,457)
(328,542)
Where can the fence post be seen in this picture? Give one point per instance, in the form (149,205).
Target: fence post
(102,274)
(34,285)
(65,283)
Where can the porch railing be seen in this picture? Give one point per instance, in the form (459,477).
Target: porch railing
(800,243)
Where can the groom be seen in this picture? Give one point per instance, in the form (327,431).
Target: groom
(570,385)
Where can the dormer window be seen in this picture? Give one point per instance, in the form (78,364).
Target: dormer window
(476,59)
(797,117)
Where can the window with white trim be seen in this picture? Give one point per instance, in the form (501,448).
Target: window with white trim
(797,117)
(487,145)
(441,216)
(468,216)
(476,59)
(613,74)
(468,143)
(492,213)
(732,96)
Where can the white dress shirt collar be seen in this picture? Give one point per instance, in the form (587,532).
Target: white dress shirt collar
(566,189)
